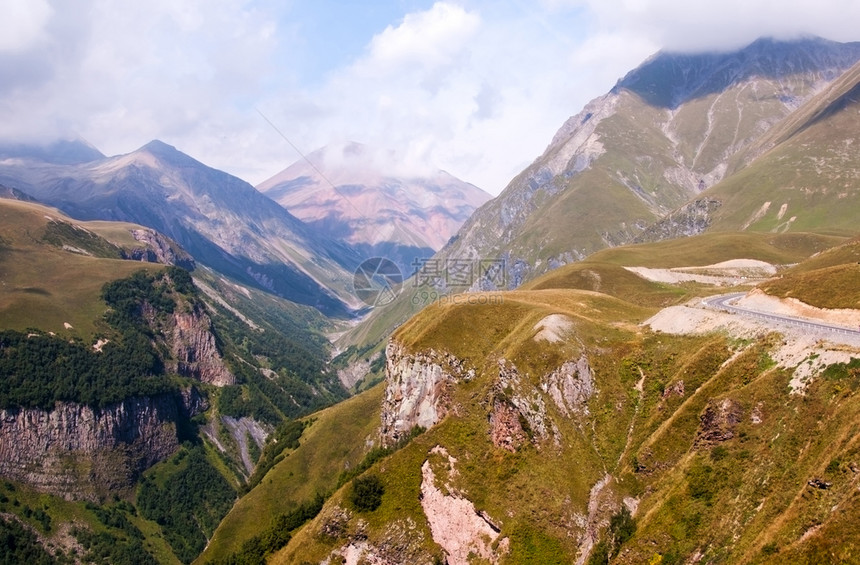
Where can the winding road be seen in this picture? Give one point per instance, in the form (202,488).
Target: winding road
(725,302)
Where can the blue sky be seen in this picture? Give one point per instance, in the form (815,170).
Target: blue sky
(475,87)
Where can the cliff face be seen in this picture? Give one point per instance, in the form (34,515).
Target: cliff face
(76,451)
(159,249)
(189,336)
(417,390)
(194,349)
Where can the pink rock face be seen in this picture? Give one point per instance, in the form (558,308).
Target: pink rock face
(192,344)
(454,522)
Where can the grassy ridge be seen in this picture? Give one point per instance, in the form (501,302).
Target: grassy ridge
(710,248)
(44,286)
(831,287)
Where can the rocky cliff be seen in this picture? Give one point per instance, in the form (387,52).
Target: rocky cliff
(158,248)
(417,389)
(188,334)
(419,392)
(77,451)
(194,349)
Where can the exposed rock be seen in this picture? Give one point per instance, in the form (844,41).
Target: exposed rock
(718,422)
(553,328)
(570,386)
(529,403)
(417,389)
(676,389)
(596,519)
(355,372)
(506,431)
(335,526)
(76,451)
(159,249)
(189,336)
(462,531)
(194,350)
(691,219)
(240,430)
(402,542)
(819,483)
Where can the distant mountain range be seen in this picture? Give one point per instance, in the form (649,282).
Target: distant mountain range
(347,211)
(221,220)
(346,193)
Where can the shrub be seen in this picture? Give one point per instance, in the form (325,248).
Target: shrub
(367,493)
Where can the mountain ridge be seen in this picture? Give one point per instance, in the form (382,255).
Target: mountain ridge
(222,220)
(623,163)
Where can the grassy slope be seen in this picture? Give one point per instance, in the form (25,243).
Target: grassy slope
(808,175)
(830,279)
(488,474)
(43,286)
(334,441)
(710,248)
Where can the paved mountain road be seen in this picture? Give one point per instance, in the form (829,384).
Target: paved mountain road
(726,302)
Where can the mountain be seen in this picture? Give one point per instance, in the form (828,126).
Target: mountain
(221,220)
(804,178)
(60,152)
(672,128)
(348,194)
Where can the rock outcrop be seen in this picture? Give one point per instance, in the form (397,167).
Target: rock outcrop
(188,334)
(417,391)
(159,249)
(194,349)
(718,422)
(77,451)
(456,525)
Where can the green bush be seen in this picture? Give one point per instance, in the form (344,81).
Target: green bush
(367,493)
(20,545)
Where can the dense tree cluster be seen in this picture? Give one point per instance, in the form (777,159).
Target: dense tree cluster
(367,493)
(38,370)
(19,544)
(300,383)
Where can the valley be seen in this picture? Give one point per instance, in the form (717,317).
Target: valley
(645,349)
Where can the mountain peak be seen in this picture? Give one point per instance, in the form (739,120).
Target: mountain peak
(668,79)
(158,147)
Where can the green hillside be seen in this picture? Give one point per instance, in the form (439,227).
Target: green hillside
(44,285)
(335,440)
(807,181)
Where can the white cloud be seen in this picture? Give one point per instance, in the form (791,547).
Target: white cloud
(430,39)
(723,24)
(23,24)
